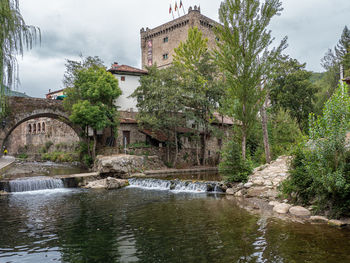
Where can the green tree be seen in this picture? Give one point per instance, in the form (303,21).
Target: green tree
(320,170)
(198,78)
(244,56)
(160,103)
(15,35)
(292,90)
(91,92)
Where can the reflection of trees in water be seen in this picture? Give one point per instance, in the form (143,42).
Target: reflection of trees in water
(199,230)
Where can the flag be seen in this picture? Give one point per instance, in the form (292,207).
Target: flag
(175,6)
(180,3)
(170,9)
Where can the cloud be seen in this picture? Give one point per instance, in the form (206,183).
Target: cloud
(111,30)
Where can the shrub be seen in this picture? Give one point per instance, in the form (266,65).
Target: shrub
(22,156)
(319,174)
(232,166)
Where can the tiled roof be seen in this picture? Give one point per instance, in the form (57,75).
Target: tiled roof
(128,121)
(223,119)
(54,92)
(124,69)
(159,136)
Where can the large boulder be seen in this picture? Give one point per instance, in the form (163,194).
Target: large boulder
(121,165)
(281,208)
(108,183)
(299,211)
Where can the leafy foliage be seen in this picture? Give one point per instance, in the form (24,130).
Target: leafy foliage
(293,91)
(15,35)
(320,171)
(233,167)
(244,56)
(91,92)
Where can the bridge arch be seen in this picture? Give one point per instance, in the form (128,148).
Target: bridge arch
(25,109)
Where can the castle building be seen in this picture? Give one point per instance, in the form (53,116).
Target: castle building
(157,44)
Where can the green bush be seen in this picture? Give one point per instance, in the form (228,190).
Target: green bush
(320,172)
(22,156)
(232,167)
(59,157)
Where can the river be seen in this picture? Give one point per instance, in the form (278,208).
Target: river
(139,225)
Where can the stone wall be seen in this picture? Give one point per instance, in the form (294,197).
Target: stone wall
(163,39)
(37,132)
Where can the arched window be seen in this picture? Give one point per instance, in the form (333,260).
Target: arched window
(43,127)
(29,128)
(34,128)
(39,127)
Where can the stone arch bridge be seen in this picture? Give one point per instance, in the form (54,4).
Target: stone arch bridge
(24,109)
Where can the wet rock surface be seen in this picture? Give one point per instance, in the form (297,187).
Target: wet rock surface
(123,165)
(108,183)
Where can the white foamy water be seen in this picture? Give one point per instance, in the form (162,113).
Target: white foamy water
(173,185)
(34,184)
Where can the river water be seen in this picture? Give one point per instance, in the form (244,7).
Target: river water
(140,225)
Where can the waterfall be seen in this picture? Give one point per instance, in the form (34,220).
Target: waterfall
(34,183)
(175,185)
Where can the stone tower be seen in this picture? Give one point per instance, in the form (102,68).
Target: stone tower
(157,44)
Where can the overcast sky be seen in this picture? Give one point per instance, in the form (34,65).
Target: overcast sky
(110,29)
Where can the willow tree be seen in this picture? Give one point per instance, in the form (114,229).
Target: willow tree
(15,36)
(244,56)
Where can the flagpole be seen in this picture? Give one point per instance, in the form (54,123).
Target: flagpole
(183,8)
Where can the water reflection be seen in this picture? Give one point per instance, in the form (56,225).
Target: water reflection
(134,225)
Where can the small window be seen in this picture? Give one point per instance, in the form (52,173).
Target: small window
(39,127)
(165,56)
(165,40)
(220,142)
(34,128)
(122,78)
(29,128)
(43,127)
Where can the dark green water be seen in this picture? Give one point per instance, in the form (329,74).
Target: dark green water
(135,225)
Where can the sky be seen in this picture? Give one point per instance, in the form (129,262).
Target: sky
(110,29)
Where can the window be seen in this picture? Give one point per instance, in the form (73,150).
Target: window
(165,40)
(34,128)
(165,56)
(29,128)
(39,127)
(43,127)
(122,78)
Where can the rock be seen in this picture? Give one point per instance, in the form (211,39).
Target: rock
(3,193)
(120,165)
(281,208)
(274,203)
(114,183)
(299,211)
(239,193)
(258,182)
(319,219)
(256,192)
(99,184)
(337,223)
(230,191)
(248,185)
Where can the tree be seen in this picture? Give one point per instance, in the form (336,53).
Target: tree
(160,103)
(292,91)
(197,75)
(244,56)
(91,92)
(15,35)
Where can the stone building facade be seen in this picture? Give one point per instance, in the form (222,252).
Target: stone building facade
(36,132)
(157,44)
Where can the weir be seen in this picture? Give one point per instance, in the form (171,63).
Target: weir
(175,185)
(34,183)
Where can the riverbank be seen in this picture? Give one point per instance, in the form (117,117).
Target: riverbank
(6,162)
(260,195)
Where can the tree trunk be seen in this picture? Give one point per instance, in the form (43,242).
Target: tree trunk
(204,147)
(244,143)
(197,152)
(176,148)
(263,114)
(167,152)
(94,147)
